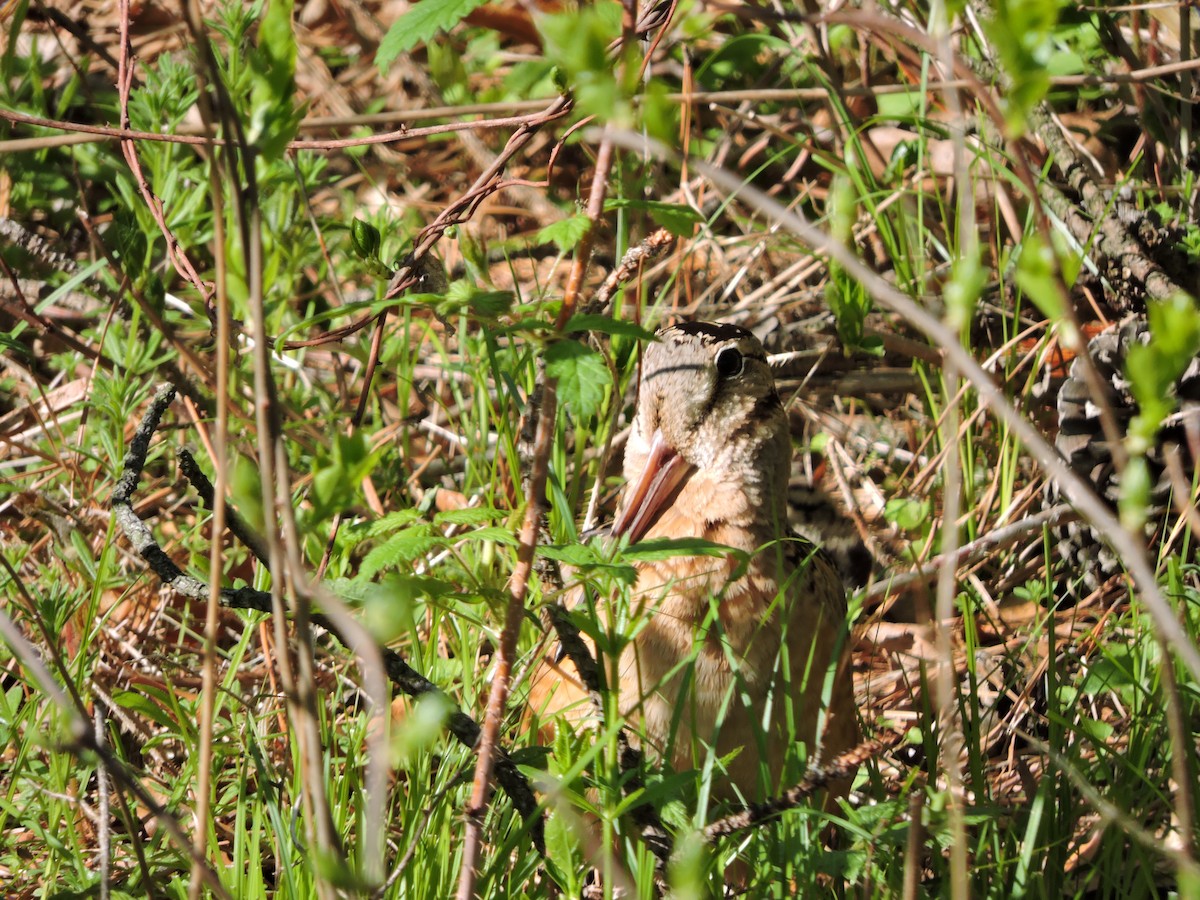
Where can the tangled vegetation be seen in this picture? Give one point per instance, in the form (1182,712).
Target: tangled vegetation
(270,631)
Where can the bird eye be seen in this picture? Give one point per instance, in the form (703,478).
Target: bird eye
(730,362)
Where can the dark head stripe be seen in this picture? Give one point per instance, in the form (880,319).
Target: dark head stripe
(711,332)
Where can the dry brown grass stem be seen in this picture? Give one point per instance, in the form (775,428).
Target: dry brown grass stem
(519,580)
(208,138)
(218,305)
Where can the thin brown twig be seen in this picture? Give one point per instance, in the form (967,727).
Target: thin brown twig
(127,134)
(81,132)
(220,319)
(845,765)
(153,316)
(27,313)
(519,581)
(518,587)
(971,551)
(355,421)
(175,252)
(409,273)
(650,247)
(651,829)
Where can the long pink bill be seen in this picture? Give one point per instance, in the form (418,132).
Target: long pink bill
(665,470)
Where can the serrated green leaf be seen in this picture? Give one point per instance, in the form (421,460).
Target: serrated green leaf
(565,233)
(475,515)
(419,24)
(571,554)
(491,533)
(582,376)
(404,547)
(389,523)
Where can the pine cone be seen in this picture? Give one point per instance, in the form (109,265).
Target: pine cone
(1081,440)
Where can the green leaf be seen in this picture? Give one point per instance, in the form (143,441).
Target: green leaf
(246,487)
(419,24)
(581,374)
(677,218)
(491,533)
(586,557)
(147,702)
(850,304)
(401,548)
(565,233)
(659,116)
(572,554)
(608,325)
(906,513)
(489,304)
(668,548)
(274,119)
(562,845)
(967,281)
(390,523)
(418,731)
(14,347)
(1022,34)
(338,476)
(485,304)
(1153,368)
(277,44)
(1036,278)
(577,42)
(475,515)
(388,609)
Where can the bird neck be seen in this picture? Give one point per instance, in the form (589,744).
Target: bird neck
(739,503)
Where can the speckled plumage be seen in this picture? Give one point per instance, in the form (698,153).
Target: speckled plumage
(708,457)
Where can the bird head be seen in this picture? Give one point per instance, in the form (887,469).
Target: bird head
(707,410)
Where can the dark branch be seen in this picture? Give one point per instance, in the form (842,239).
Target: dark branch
(406,679)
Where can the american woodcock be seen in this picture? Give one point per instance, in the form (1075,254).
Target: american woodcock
(745,652)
